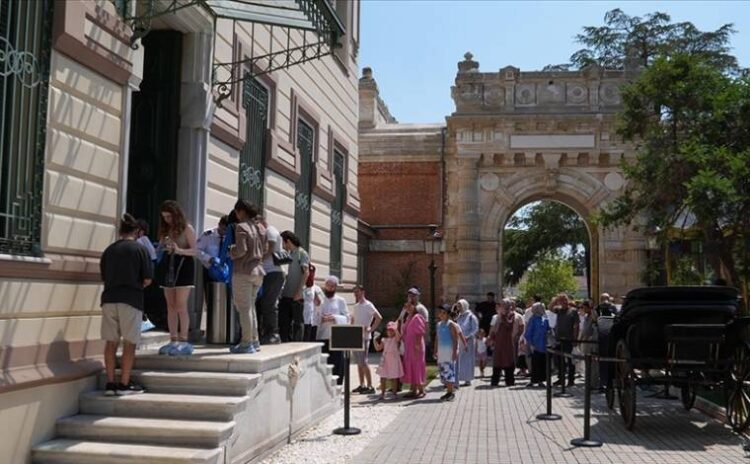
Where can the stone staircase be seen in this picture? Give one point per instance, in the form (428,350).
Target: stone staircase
(189,414)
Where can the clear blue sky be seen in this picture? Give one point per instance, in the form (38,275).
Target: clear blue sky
(413,46)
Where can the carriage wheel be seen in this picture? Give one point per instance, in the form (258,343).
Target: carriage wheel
(626,386)
(738,390)
(687,395)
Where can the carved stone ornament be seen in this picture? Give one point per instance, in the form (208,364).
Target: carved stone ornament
(468,65)
(489,182)
(526,94)
(610,94)
(577,93)
(494,96)
(550,180)
(613,181)
(551,93)
(470,92)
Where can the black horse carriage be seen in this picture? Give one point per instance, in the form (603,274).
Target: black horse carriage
(684,337)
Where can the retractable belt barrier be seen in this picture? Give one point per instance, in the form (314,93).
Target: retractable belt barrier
(585,440)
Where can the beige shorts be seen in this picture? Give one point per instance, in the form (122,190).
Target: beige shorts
(121,320)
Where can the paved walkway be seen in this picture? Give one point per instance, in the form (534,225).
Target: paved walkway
(498,426)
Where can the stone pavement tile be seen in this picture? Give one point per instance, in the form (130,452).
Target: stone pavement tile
(499,425)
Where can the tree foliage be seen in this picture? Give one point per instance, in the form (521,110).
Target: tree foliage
(550,275)
(690,122)
(544,227)
(643,39)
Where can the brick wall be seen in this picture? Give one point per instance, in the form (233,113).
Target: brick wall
(398,193)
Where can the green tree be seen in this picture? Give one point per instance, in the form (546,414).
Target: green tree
(643,39)
(548,276)
(543,227)
(691,126)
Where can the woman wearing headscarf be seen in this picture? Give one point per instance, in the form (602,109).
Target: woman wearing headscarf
(536,338)
(502,335)
(469,325)
(413,332)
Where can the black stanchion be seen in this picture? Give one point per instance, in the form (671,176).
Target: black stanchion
(346,429)
(561,375)
(549,416)
(586,440)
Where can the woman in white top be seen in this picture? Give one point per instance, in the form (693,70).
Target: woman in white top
(312,297)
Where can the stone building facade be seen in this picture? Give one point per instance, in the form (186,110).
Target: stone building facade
(102,128)
(515,137)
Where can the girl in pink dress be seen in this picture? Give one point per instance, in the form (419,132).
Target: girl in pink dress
(390,367)
(415,368)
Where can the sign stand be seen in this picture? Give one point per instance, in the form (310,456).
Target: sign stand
(347,429)
(347,338)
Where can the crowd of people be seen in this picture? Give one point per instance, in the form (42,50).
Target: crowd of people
(273,289)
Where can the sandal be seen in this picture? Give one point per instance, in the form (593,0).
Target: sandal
(410,394)
(420,395)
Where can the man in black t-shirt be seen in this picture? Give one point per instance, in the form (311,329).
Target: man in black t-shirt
(605,307)
(126,270)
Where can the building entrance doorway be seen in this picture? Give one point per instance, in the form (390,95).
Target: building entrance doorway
(152,159)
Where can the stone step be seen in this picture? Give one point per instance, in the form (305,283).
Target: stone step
(212,358)
(163,406)
(151,340)
(63,451)
(192,382)
(199,434)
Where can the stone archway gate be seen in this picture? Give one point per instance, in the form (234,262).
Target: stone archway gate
(517,137)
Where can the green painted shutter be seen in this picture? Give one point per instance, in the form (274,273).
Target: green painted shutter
(252,156)
(25,28)
(303,192)
(337,209)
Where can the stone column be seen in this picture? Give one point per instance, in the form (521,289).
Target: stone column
(467,263)
(196,112)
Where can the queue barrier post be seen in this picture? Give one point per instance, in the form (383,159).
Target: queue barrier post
(549,416)
(586,440)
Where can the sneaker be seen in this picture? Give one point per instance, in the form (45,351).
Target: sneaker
(442,398)
(242,349)
(270,340)
(181,349)
(450,397)
(110,389)
(359,389)
(256,346)
(572,383)
(129,389)
(368,391)
(167,348)
(467,383)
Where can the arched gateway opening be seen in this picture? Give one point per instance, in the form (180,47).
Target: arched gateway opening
(518,137)
(545,228)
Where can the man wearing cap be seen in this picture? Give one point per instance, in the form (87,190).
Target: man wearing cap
(364,313)
(333,311)
(412,297)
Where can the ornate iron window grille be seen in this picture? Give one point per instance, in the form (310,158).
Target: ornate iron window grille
(252,156)
(337,210)
(303,189)
(25,44)
(320,33)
